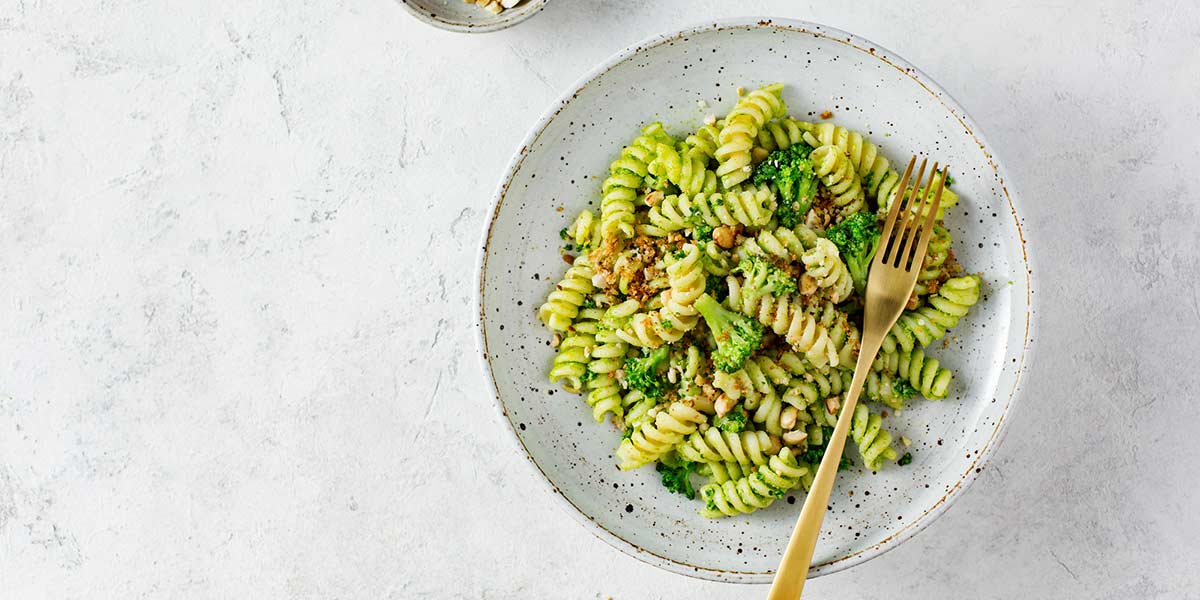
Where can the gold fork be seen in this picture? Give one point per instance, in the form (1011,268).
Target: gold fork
(891,281)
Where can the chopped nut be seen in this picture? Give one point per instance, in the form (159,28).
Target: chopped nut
(792,438)
(912,302)
(701,104)
(904,440)
(599,280)
(569,259)
(832,404)
(673,375)
(723,405)
(559,209)
(710,119)
(787,420)
(555,341)
(774,447)
(724,236)
(827,115)
(883,414)
(808,284)
(688,402)
(741,91)
(653,198)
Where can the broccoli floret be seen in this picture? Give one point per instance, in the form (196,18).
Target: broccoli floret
(792,173)
(676,479)
(733,421)
(701,231)
(642,373)
(906,459)
(949,179)
(737,336)
(588,302)
(764,277)
(857,239)
(904,389)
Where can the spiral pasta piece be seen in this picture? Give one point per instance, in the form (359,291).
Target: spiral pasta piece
(754,384)
(716,446)
(806,330)
(584,230)
(812,388)
(782,133)
(930,322)
(824,264)
(677,315)
(574,353)
(754,491)
(741,130)
(656,438)
(639,409)
(837,173)
(604,391)
(751,208)
(782,243)
(626,176)
(562,305)
(949,197)
(925,373)
(934,268)
(873,441)
(879,179)
(720,472)
(881,387)
(686,168)
(706,139)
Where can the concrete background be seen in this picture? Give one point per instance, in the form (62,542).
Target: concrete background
(236,249)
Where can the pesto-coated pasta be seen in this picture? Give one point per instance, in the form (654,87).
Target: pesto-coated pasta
(627,175)
(837,173)
(741,129)
(825,266)
(712,306)
(755,490)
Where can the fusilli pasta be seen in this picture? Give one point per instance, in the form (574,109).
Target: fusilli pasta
(730,227)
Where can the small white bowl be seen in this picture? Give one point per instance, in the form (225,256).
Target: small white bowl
(679,78)
(456,15)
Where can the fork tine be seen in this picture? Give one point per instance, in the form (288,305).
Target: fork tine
(897,239)
(927,228)
(914,224)
(897,200)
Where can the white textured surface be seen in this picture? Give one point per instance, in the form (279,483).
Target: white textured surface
(236,246)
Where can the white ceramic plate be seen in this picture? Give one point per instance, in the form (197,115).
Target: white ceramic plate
(562,163)
(456,15)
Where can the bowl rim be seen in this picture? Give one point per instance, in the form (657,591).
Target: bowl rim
(500,22)
(1024,357)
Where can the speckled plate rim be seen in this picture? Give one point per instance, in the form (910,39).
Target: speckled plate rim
(533,8)
(1025,356)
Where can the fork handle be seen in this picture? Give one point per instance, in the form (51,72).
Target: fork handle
(793,569)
